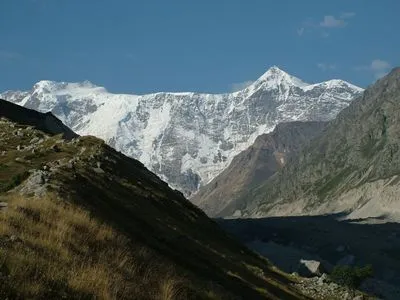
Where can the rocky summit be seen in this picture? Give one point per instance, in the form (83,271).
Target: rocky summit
(187,138)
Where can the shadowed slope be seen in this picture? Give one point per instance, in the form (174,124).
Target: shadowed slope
(47,123)
(121,193)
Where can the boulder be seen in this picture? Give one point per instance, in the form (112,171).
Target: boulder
(37,177)
(98,170)
(34,140)
(19,159)
(311,268)
(323,279)
(19,133)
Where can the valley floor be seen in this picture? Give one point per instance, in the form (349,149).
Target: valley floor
(331,238)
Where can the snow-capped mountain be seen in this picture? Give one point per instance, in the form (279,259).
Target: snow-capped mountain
(187,138)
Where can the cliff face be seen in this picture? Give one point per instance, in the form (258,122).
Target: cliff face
(269,153)
(352,167)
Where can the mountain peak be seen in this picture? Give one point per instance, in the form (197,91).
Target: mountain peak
(276,76)
(338,83)
(48,86)
(274,71)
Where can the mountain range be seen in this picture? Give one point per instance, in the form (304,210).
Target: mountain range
(187,138)
(352,168)
(343,166)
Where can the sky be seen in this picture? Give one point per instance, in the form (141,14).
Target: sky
(214,46)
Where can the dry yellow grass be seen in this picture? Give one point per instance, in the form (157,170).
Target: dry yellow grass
(51,249)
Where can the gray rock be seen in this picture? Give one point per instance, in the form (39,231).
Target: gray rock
(309,268)
(323,279)
(36,184)
(38,177)
(19,159)
(34,140)
(333,286)
(98,170)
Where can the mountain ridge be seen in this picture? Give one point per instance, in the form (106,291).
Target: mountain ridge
(187,138)
(47,123)
(353,168)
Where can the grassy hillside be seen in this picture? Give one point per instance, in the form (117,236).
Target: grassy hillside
(87,222)
(51,249)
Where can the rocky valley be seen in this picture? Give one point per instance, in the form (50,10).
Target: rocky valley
(335,199)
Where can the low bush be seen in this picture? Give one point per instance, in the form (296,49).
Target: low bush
(351,276)
(15,181)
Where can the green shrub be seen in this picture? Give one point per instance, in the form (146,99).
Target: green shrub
(351,276)
(16,180)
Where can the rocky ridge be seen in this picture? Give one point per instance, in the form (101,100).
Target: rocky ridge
(269,153)
(353,167)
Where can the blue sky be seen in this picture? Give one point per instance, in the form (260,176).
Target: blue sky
(142,46)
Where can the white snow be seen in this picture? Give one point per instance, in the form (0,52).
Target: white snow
(172,133)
